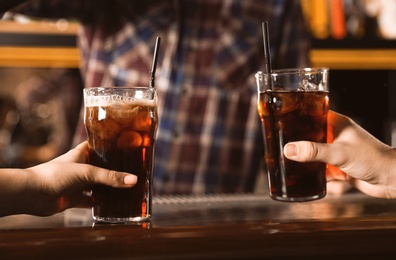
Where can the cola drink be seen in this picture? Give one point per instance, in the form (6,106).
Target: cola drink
(121,125)
(293,106)
(287,117)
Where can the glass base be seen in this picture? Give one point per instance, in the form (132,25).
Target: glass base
(297,199)
(115,220)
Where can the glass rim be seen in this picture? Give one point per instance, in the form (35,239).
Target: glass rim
(117,94)
(118,88)
(306,70)
(112,89)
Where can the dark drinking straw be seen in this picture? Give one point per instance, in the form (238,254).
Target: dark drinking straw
(267,50)
(154,66)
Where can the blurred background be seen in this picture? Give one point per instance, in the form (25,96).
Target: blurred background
(41,87)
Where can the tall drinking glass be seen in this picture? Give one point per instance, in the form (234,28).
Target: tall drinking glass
(121,124)
(293,106)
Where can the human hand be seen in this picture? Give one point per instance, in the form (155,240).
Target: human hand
(353,155)
(54,186)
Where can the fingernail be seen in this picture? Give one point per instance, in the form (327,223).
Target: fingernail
(130,179)
(290,150)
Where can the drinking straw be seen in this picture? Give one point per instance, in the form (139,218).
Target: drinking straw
(268,71)
(267,51)
(154,66)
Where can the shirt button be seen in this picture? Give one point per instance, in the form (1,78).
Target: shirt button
(193,45)
(165,178)
(175,134)
(186,89)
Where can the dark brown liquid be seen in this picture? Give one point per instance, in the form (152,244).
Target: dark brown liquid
(121,138)
(295,116)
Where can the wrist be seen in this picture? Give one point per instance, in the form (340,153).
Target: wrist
(390,174)
(13,191)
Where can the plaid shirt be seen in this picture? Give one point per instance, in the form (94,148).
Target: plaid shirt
(209,137)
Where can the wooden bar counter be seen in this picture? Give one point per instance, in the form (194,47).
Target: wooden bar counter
(235,226)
